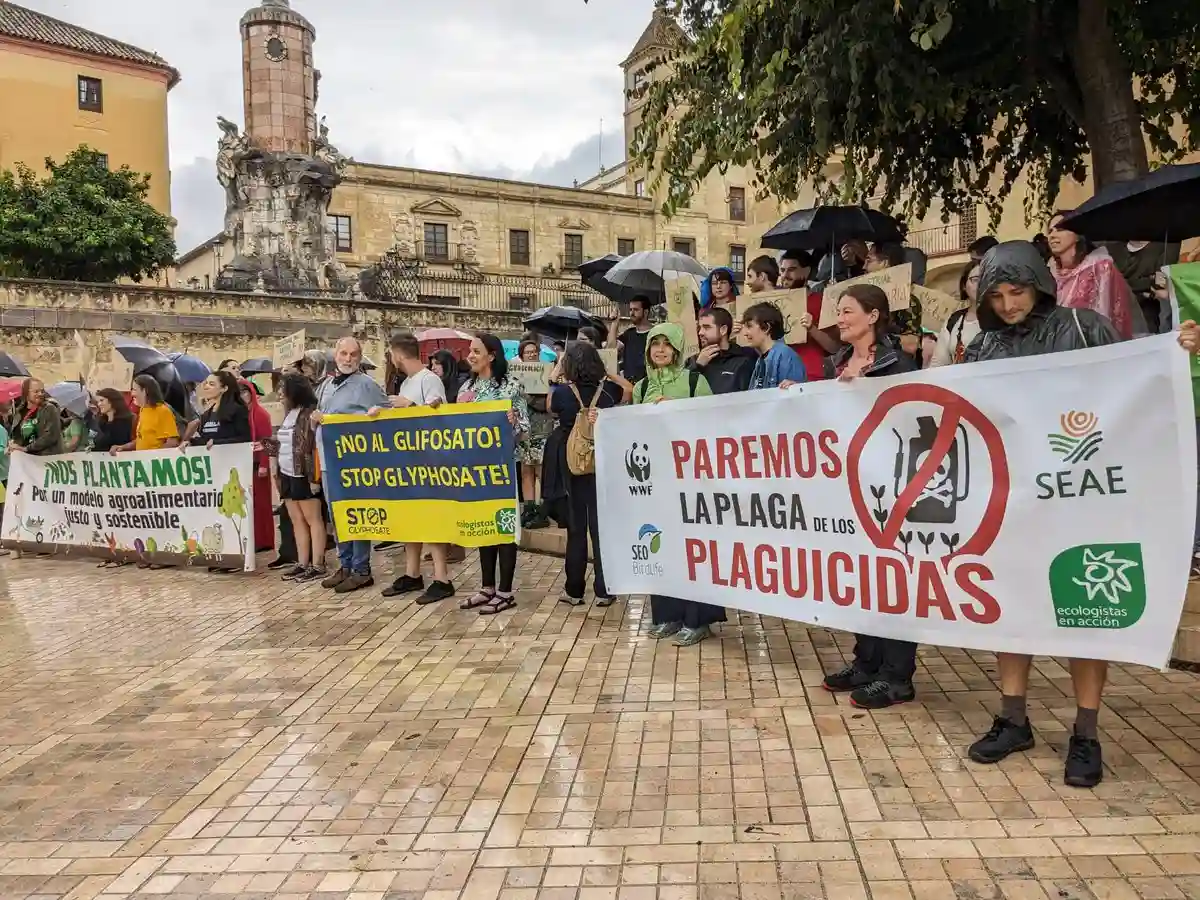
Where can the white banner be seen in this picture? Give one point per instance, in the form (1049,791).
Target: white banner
(160,507)
(1041,505)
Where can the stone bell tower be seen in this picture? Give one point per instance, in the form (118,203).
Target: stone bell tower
(278,78)
(280,172)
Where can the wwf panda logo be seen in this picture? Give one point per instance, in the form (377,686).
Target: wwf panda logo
(637,465)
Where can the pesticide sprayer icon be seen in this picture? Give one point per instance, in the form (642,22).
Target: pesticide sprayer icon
(950,484)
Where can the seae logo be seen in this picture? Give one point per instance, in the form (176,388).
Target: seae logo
(637,465)
(1078,439)
(649,542)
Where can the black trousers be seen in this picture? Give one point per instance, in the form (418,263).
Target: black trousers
(582,520)
(893,661)
(287,536)
(689,612)
(506,556)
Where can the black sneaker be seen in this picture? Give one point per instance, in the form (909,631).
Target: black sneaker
(881,695)
(311,574)
(277,564)
(1085,767)
(1003,739)
(295,573)
(437,590)
(386,545)
(847,679)
(405,584)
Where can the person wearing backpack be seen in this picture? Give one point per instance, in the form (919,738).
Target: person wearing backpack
(586,389)
(962,326)
(668,379)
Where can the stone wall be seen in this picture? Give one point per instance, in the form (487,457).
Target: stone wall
(38,321)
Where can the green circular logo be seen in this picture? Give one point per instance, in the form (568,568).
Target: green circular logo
(506,521)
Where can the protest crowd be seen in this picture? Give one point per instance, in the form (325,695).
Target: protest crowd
(1013,301)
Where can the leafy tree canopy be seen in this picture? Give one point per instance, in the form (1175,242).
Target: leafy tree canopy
(920,99)
(82,222)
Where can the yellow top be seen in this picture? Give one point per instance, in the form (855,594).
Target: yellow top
(155,426)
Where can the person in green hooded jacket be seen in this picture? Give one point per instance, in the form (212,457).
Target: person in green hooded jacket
(668,379)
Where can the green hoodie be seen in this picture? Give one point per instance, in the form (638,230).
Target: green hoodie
(672,382)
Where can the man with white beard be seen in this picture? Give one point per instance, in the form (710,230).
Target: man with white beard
(349,391)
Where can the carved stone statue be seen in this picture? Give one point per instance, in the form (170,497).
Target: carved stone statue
(405,233)
(469,235)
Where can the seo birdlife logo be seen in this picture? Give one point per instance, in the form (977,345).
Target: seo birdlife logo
(644,549)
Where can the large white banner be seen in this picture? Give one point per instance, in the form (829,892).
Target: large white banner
(1043,505)
(160,507)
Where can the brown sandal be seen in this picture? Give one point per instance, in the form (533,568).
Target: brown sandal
(476,600)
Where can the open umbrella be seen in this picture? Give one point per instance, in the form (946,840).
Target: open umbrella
(563,322)
(1162,206)
(259,365)
(828,227)
(431,340)
(10,390)
(592,274)
(11,367)
(138,352)
(190,368)
(71,396)
(644,274)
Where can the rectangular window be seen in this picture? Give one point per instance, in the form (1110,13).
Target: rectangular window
(520,301)
(518,247)
(343,235)
(439,299)
(685,246)
(102,159)
(737,204)
(737,260)
(91,94)
(639,188)
(625,246)
(572,251)
(437,241)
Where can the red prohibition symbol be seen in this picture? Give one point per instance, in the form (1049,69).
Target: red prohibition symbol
(955,409)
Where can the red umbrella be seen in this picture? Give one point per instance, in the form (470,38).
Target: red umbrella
(432,340)
(10,390)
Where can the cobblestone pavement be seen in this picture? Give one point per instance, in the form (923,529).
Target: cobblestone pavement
(183,734)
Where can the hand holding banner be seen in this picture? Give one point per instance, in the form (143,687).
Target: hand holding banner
(438,476)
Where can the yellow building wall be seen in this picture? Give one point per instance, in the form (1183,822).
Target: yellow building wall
(40,115)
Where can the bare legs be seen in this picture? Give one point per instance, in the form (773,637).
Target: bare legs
(412,560)
(1087,677)
(309,527)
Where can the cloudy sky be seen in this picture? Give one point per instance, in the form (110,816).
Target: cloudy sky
(512,88)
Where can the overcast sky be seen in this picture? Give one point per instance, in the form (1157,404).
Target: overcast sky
(512,88)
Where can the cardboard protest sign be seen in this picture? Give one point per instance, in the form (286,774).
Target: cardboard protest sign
(936,306)
(534,377)
(682,294)
(289,349)
(896,282)
(610,360)
(792,304)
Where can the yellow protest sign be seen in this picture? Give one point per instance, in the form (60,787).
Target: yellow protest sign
(682,293)
(792,304)
(896,282)
(289,350)
(936,306)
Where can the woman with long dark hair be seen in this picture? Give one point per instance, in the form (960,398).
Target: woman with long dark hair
(586,388)
(1087,278)
(962,325)
(260,431)
(445,366)
(295,448)
(114,421)
(490,381)
(225,418)
(157,427)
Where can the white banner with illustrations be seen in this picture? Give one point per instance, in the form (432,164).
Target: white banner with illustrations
(158,507)
(1042,505)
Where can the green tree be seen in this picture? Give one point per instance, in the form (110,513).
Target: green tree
(82,222)
(920,99)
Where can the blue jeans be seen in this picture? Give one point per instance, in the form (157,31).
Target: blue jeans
(1196,540)
(355,557)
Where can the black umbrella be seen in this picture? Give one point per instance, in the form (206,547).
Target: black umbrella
(646,274)
(260,365)
(137,352)
(1162,206)
(592,271)
(825,227)
(11,367)
(563,322)
(173,389)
